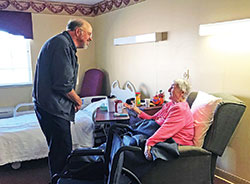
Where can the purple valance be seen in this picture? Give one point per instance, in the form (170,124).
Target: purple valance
(17,23)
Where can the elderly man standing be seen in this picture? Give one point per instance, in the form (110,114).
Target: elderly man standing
(54,96)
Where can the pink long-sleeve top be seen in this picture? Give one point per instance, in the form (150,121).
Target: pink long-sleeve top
(176,121)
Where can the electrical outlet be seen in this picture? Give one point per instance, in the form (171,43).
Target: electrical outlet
(186,75)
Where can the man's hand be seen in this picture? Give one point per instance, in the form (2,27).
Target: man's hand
(76,99)
(77,107)
(147,152)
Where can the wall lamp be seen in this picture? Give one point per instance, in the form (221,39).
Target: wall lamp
(229,27)
(144,38)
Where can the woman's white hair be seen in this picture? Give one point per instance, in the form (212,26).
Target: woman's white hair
(184,86)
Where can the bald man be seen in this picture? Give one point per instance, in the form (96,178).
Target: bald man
(54,96)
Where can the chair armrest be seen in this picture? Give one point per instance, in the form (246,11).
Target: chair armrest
(187,151)
(86,152)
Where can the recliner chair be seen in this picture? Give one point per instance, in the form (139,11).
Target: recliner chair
(197,165)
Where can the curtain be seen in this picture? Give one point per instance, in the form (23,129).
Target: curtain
(17,23)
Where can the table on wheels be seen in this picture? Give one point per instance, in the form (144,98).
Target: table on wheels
(103,120)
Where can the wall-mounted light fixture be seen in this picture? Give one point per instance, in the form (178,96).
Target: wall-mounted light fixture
(228,27)
(150,37)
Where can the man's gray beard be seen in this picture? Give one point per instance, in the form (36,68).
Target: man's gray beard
(85,46)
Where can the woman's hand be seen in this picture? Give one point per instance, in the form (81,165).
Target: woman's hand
(147,152)
(137,110)
(127,106)
(133,107)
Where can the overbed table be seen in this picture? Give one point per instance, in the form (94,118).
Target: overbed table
(103,121)
(108,117)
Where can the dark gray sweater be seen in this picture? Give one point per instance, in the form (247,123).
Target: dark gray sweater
(55,76)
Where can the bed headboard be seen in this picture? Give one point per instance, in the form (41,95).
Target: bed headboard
(123,94)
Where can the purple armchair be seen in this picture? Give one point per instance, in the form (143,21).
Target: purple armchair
(92,83)
(92,86)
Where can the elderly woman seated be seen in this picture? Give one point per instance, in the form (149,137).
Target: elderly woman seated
(174,120)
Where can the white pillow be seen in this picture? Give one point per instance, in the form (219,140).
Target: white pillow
(203,109)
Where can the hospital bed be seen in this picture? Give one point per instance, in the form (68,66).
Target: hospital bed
(21,138)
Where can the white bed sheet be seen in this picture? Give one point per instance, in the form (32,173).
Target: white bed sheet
(21,138)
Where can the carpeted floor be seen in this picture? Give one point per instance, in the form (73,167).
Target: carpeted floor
(36,172)
(32,172)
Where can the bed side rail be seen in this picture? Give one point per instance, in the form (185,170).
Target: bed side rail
(21,105)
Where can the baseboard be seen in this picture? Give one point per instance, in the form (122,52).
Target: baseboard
(220,180)
(230,178)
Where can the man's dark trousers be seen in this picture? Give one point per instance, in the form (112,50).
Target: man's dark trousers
(58,137)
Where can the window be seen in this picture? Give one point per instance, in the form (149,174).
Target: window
(15,63)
